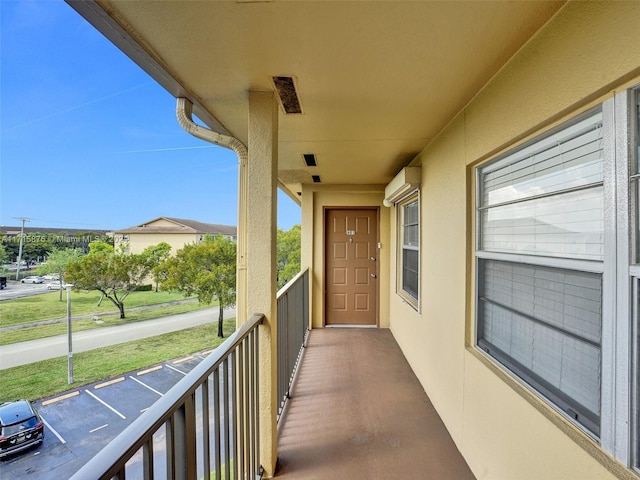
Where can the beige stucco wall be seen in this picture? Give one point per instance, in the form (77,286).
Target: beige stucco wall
(314,199)
(139,241)
(585,54)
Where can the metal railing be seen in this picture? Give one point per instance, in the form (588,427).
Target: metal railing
(206,426)
(293,326)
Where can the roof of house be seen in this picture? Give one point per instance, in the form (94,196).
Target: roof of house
(180,225)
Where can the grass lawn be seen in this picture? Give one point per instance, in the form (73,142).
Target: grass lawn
(49,377)
(47,306)
(42,331)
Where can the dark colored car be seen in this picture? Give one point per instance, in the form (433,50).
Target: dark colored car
(20,427)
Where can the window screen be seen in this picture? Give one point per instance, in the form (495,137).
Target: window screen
(545,325)
(542,322)
(410,242)
(636,282)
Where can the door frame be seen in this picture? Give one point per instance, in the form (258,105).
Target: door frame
(325,213)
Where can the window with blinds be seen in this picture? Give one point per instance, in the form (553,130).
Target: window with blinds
(409,261)
(540,215)
(546,199)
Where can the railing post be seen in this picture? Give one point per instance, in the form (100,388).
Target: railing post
(184,441)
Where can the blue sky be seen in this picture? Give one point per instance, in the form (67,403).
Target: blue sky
(89,140)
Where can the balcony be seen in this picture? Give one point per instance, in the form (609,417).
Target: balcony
(350,407)
(357,411)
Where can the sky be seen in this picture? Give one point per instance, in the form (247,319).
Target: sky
(88,140)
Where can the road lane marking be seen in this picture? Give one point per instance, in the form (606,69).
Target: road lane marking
(182,360)
(107,405)
(110,382)
(53,430)
(99,428)
(60,398)
(145,385)
(179,371)
(149,370)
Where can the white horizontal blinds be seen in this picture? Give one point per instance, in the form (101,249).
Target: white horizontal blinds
(410,248)
(568,225)
(546,199)
(544,324)
(411,236)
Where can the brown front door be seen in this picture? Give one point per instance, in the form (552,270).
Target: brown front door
(351,266)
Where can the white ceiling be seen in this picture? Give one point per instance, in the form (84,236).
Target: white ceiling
(376,80)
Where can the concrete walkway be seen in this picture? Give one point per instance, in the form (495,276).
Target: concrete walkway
(358,412)
(23,353)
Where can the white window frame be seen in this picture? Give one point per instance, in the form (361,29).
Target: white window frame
(630,159)
(620,338)
(407,296)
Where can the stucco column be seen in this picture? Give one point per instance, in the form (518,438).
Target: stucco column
(261,261)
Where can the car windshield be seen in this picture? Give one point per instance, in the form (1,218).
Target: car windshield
(8,430)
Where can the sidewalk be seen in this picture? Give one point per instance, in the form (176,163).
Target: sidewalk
(32,351)
(94,315)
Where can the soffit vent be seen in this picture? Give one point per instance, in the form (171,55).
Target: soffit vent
(287,93)
(310,159)
(316,178)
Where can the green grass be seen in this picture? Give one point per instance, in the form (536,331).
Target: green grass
(47,306)
(49,377)
(42,331)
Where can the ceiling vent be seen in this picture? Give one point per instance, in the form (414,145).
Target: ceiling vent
(310,159)
(316,178)
(286,88)
(404,183)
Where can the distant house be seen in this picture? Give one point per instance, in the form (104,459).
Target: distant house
(177,232)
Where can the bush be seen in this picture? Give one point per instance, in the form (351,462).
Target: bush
(143,288)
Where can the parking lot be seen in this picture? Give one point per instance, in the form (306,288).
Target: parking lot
(82,421)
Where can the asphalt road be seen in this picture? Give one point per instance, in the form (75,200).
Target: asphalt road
(42,349)
(81,422)
(16,289)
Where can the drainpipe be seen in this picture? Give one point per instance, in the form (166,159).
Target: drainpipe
(184,109)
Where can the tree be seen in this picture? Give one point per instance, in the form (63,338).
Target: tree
(206,269)
(58,260)
(288,254)
(100,247)
(4,255)
(114,274)
(155,255)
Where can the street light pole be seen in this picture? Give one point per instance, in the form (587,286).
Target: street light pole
(23,219)
(70,361)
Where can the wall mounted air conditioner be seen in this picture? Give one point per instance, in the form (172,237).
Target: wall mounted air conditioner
(402,185)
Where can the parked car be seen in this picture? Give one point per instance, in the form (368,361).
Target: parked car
(3,282)
(56,285)
(20,427)
(51,276)
(32,279)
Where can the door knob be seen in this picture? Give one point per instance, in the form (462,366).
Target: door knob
(373,275)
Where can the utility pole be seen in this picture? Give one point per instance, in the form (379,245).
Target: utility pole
(22,219)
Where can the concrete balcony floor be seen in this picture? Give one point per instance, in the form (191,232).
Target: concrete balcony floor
(358,412)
